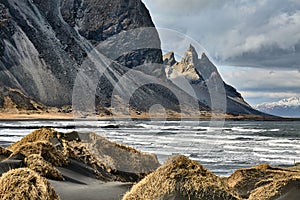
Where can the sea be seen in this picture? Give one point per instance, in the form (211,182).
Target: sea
(220,146)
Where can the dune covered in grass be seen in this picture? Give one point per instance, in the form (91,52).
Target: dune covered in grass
(181,178)
(264,182)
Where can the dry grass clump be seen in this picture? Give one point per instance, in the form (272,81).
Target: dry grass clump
(127,148)
(181,178)
(44,149)
(289,187)
(244,181)
(4,153)
(26,184)
(45,134)
(121,157)
(38,164)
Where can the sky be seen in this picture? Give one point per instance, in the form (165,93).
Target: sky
(254,43)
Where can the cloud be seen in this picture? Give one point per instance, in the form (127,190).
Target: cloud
(270,95)
(260,33)
(263,85)
(253,79)
(256,98)
(262,36)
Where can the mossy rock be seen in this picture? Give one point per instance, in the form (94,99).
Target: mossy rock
(25,184)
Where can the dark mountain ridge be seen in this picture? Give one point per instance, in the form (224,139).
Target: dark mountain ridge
(99,55)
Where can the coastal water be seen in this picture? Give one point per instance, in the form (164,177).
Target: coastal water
(222,148)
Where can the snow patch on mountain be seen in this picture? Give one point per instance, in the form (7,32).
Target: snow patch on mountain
(289,107)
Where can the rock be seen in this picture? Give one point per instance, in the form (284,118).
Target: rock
(169,59)
(99,20)
(70,136)
(4,153)
(111,126)
(43,62)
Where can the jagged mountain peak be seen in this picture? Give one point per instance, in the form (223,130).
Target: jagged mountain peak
(204,56)
(192,49)
(169,58)
(200,73)
(200,69)
(190,56)
(184,68)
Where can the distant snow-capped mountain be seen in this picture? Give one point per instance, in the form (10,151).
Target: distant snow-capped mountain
(289,107)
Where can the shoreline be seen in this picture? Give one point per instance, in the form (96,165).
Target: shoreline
(70,117)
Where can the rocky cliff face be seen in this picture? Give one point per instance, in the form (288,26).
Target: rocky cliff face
(43,49)
(97,21)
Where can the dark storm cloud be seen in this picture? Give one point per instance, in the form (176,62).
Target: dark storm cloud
(258,33)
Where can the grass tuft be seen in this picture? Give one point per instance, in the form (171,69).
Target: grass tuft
(38,164)
(24,183)
(43,148)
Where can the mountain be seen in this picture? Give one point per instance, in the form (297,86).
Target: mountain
(103,56)
(289,107)
(203,76)
(43,49)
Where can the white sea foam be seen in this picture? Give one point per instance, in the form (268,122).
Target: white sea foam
(222,149)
